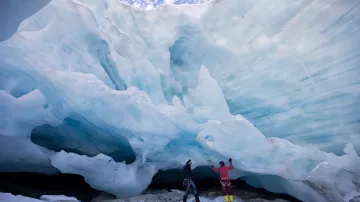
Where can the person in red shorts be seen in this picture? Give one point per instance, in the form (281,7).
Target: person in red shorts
(225,180)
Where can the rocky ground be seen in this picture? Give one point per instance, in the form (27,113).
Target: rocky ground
(177,196)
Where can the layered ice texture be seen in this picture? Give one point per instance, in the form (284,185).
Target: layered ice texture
(97,88)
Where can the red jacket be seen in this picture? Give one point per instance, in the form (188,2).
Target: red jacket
(223,171)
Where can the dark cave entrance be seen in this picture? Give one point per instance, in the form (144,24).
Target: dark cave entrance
(208,184)
(34,185)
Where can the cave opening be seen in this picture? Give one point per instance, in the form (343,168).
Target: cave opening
(35,184)
(79,136)
(208,184)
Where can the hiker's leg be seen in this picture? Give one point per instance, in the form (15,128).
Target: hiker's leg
(229,192)
(186,193)
(224,192)
(195,191)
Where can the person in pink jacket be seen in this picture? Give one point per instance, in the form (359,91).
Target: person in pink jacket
(225,180)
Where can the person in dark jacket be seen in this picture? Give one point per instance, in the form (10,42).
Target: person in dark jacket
(188,182)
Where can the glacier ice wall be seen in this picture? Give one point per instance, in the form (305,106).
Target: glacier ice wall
(273,84)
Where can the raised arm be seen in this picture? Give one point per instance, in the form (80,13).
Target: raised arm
(231,165)
(215,169)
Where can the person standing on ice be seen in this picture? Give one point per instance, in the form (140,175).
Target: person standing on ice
(188,182)
(225,180)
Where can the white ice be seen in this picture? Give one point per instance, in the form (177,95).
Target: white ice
(56,198)
(103,173)
(18,117)
(7,197)
(309,167)
(273,84)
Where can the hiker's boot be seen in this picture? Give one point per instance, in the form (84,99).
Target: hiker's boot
(197,198)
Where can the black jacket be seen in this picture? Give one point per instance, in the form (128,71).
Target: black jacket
(188,172)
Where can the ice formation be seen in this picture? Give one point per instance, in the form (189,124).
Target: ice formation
(55,198)
(7,197)
(273,84)
(105,174)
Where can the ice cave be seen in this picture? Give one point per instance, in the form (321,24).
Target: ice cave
(116,92)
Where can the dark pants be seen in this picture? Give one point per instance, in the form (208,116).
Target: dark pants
(189,185)
(226,187)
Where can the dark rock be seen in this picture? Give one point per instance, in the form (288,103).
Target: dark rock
(102,197)
(35,185)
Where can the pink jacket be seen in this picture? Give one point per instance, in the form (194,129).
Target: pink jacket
(223,171)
